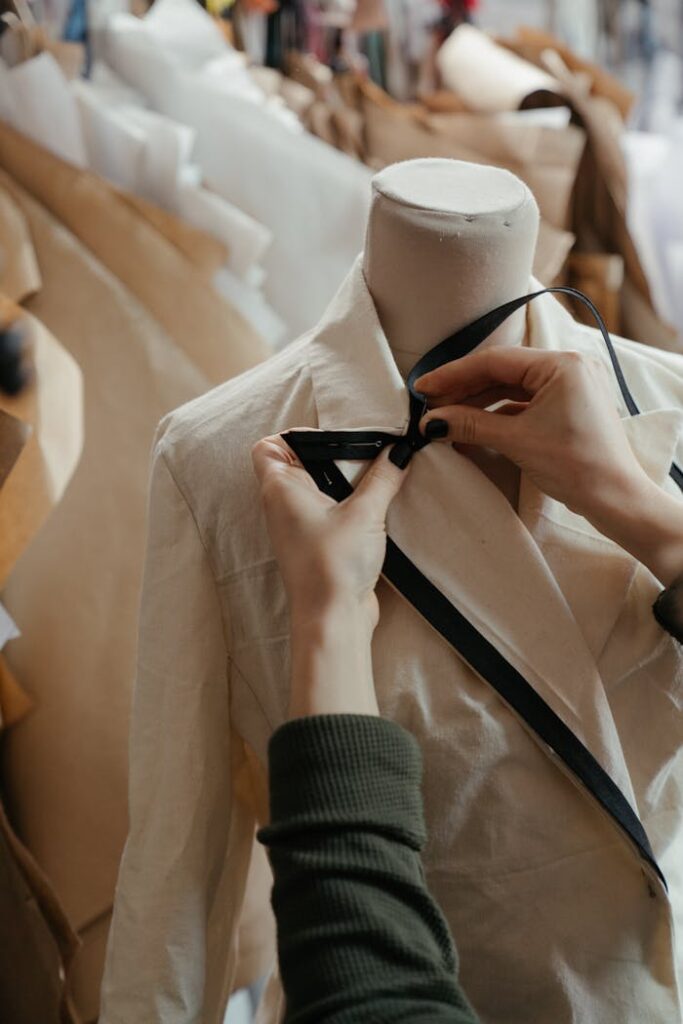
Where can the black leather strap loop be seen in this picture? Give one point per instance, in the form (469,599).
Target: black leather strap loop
(318,451)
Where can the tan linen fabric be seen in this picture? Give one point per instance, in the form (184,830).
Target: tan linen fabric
(545,158)
(600,215)
(50,407)
(14,434)
(75,592)
(532,43)
(14,701)
(36,940)
(204,251)
(554,916)
(19,274)
(177,294)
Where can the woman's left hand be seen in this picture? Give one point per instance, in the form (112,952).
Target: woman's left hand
(330,556)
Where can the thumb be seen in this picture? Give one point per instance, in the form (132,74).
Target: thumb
(379,486)
(465,424)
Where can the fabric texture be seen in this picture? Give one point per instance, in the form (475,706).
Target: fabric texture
(540,888)
(359,936)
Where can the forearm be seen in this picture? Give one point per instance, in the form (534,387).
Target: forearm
(331,670)
(359,936)
(647,522)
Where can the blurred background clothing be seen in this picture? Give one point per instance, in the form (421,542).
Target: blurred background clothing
(183,188)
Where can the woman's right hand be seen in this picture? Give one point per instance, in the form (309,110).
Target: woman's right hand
(560,425)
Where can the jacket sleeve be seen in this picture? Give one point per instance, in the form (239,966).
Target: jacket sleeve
(171,944)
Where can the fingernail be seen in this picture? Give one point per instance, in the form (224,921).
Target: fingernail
(435,429)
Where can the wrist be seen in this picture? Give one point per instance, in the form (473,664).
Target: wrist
(336,609)
(646,521)
(331,660)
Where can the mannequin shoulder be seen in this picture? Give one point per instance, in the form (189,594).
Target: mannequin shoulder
(207,442)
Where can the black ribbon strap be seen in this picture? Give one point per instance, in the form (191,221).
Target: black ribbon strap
(318,451)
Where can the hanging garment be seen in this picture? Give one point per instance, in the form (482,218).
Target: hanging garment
(36,940)
(40,443)
(41,437)
(103,125)
(600,221)
(152,268)
(312,198)
(75,591)
(49,412)
(540,888)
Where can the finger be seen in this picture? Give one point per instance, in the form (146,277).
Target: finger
(485,399)
(379,486)
(512,408)
(475,373)
(469,426)
(270,453)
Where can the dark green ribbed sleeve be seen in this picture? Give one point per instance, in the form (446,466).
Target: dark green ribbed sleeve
(359,936)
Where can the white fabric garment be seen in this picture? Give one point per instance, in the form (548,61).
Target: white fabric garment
(486,76)
(311,197)
(554,917)
(8,627)
(246,239)
(655,213)
(103,125)
(37,102)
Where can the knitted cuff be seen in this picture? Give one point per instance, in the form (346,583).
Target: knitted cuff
(355,770)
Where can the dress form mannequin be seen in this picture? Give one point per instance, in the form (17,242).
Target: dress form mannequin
(446,242)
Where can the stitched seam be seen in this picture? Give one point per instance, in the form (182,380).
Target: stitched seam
(233,664)
(227,626)
(260,568)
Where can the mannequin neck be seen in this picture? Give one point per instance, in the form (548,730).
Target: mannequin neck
(447,242)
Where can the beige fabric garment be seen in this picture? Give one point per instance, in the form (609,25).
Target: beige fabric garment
(37,941)
(177,294)
(50,407)
(543,893)
(42,427)
(19,274)
(545,158)
(75,592)
(531,44)
(601,104)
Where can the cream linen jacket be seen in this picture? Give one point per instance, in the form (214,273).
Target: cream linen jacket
(554,917)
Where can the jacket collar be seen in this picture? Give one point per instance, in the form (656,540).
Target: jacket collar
(456,526)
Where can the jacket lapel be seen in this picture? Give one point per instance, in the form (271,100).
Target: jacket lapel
(461,532)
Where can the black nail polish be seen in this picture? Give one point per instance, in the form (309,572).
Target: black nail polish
(435,429)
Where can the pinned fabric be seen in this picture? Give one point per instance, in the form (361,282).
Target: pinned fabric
(318,452)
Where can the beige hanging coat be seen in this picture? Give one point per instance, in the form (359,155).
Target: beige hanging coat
(555,919)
